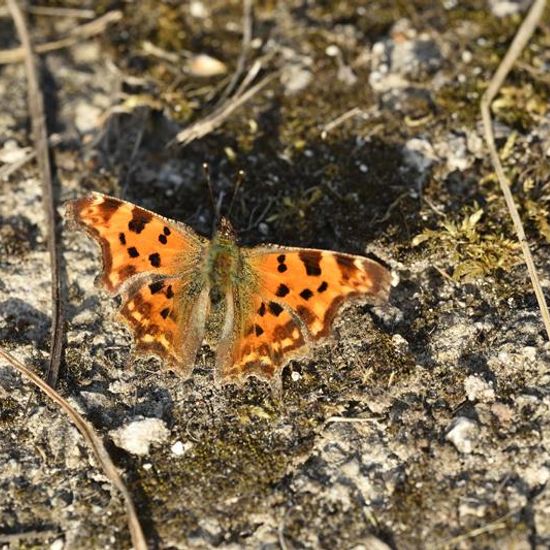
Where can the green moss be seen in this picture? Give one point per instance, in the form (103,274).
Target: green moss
(469,251)
(237,462)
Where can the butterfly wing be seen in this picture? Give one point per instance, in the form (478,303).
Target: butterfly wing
(296,296)
(155,264)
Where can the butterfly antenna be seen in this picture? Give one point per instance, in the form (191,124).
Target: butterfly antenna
(238,181)
(215,207)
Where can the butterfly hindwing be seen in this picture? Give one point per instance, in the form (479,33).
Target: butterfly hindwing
(168,318)
(298,292)
(261,338)
(155,263)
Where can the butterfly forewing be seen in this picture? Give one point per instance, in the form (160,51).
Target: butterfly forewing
(315,283)
(134,240)
(156,264)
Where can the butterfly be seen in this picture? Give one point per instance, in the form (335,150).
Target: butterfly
(262,306)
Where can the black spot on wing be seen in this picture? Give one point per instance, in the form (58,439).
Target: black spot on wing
(281,268)
(162,238)
(122,238)
(311,260)
(261,310)
(133,252)
(169,292)
(306,294)
(275,308)
(156,287)
(259,330)
(108,207)
(345,261)
(165,312)
(154,259)
(166,231)
(322,287)
(282,291)
(140,218)
(346,265)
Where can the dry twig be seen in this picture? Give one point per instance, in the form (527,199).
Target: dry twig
(217,118)
(40,138)
(491,527)
(349,419)
(79,33)
(52,11)
(355,111)
(93,441)
(520,40)
(245,47)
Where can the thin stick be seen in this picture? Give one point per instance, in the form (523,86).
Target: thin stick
(8,169)
(217,118)
(355,111)
(349,420)
(40,137)
(520,40)
(28,535)
(245,47)
(61,12)
(495,525)
(79,33)
(93,441)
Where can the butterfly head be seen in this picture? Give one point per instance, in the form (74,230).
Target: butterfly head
(225,229)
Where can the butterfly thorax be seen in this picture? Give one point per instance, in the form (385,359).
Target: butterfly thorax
(223,260)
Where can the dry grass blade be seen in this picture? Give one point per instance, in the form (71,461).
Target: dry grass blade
(245,47)
(217,118)
(520,40)
(93,441)
(61,12)
(355,111)
(93,28)
(40,138)
(348,420)
(491,527)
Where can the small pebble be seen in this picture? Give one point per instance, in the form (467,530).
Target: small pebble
(463,434)
(137,436)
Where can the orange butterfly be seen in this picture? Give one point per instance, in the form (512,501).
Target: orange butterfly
(263,305)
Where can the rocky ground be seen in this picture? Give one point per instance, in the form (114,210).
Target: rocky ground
(422,424)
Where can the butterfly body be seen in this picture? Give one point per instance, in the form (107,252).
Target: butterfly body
(224,261)
(260,307)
